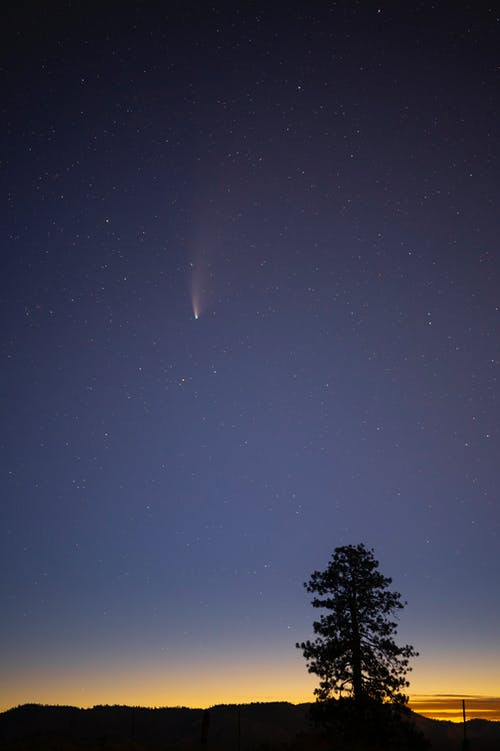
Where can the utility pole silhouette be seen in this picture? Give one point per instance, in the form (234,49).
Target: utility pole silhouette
(465,742)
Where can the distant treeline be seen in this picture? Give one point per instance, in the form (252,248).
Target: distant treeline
(278,726)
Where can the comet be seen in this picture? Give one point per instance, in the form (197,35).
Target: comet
(197,288)
(196,307)
(201,276)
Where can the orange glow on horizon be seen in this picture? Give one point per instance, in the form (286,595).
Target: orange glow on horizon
(158,685)
(232,679)
(155,691)
(447,708)
(442,707)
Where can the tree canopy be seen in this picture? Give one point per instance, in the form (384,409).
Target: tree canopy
(354,652)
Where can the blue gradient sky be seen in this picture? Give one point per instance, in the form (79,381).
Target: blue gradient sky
(321,187)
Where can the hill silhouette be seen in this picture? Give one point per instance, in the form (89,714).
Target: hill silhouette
(277,726)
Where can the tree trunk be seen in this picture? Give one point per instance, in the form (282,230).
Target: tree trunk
(357,680)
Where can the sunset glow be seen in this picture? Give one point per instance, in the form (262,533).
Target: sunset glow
(439,707)
(222,681)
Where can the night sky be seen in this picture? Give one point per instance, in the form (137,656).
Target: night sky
(249,313)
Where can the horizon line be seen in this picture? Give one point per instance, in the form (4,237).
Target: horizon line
(439,697)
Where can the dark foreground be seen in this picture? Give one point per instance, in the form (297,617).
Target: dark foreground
(251,727)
